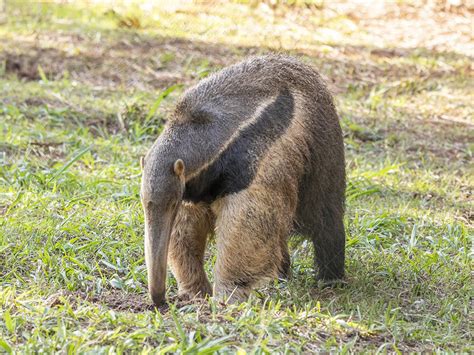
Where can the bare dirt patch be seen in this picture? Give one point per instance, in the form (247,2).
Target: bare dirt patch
(129,302)
(122,301)
(117,300)
(133,61)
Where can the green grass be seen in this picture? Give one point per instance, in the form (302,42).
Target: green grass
(83,94)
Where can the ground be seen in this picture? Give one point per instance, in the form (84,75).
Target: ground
(85,89)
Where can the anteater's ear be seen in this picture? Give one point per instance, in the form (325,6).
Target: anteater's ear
(178,167)
(142,162)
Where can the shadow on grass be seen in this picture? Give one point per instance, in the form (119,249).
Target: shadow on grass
(154,62)
(142,62)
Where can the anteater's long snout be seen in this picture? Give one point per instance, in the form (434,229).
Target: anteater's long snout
(158,225)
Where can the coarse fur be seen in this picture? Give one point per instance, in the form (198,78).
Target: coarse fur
(262,156)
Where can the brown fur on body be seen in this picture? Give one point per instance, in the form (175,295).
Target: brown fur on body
(263,155)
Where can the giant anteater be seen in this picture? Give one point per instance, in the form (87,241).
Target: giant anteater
(254,152)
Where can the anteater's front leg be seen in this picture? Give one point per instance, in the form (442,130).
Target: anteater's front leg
(251,230)
(186,251)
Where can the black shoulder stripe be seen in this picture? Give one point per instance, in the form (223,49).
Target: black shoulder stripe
(235,168)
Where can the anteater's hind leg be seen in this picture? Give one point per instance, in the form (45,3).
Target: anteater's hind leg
(320,217)
(186,251)
(284,271)
(252,227)
(329,244)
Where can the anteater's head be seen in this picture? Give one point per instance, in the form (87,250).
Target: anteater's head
(161,193)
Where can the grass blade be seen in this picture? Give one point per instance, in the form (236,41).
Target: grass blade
(5,346)
(42,74)
(159,100)
(69,163)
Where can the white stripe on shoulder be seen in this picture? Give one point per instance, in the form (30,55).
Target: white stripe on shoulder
(234,136)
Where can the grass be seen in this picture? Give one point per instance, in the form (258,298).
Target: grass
(84,92)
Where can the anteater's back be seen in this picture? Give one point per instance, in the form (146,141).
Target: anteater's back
(251,81)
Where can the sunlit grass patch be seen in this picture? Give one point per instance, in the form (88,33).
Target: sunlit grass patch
(86,88)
